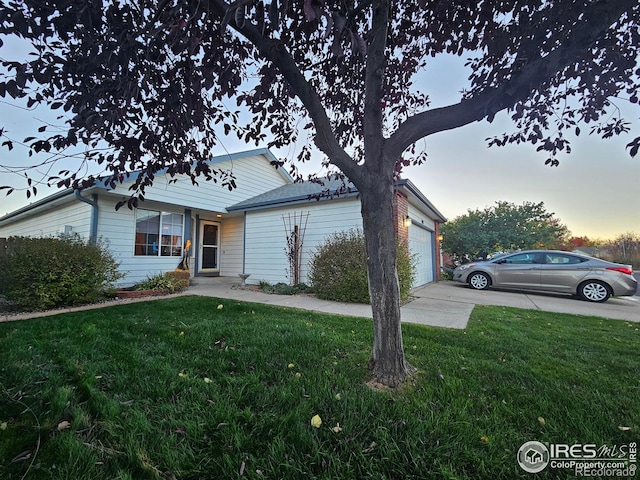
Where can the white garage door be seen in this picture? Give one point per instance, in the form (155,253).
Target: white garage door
(421,245)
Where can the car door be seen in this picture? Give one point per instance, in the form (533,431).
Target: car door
(520,270)
(562,272)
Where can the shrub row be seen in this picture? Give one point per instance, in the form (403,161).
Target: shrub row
(43,273)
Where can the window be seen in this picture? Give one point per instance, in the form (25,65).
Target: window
(521,258)
(158,233)
(562,259)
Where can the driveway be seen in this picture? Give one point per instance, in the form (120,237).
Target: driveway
(621,308)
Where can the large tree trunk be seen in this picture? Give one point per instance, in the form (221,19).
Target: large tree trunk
(389,365)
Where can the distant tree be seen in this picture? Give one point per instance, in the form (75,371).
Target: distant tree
(502,227)
(146,85)
(577,242)
(624,248)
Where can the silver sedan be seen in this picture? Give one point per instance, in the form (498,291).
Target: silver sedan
(590,278)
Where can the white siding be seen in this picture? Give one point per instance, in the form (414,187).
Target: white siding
(254,175)
(117,229)
(52,221)
(266,238)
(231,243)
(420,218)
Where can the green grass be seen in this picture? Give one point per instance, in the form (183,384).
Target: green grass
(182,389)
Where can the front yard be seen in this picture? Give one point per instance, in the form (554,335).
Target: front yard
(195,387)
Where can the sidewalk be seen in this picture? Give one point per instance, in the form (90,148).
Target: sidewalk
(441,304)
(422,310)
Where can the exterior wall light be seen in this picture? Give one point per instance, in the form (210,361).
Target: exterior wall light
(407,221)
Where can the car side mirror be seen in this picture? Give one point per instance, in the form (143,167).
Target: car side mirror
(501,261)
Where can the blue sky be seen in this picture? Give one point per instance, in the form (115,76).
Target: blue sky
(595,190)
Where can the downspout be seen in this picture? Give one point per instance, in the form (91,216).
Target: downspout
(244,244)
(93,228)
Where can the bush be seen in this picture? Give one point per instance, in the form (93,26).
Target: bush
(44,273)
(284,288)
(338,270)
(160,282)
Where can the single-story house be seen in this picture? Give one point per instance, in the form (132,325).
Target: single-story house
(232,232)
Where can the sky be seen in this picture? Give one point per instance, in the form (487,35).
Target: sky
(595,191)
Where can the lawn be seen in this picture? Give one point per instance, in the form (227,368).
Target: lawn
(202,388)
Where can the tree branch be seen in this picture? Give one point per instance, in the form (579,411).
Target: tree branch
(276,52)
(594,23)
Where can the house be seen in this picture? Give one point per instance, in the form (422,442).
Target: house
(231,232)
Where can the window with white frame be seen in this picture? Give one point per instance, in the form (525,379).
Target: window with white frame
(159,233)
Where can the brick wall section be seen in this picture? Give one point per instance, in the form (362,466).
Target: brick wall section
(401,210)
(436,237)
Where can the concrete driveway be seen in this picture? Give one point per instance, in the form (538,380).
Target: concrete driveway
(457,295)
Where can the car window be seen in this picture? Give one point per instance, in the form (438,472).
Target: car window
(521,258)
(562,259)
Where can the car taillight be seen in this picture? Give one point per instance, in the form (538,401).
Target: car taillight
(627,270)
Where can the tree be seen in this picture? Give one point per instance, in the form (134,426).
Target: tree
(625,248)
(503,227)
(577,242)
(149,79)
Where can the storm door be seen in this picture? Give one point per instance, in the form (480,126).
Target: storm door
(209,247)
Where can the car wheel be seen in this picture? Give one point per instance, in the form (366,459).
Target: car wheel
(594,291)
(479,281)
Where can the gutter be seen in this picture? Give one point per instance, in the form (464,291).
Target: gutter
(93,228)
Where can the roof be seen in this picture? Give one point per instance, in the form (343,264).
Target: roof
(102,183)
(237,156)
(300,192)
(42,204)
(303,192)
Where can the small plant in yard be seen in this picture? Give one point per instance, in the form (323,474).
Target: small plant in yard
(161,283)
(282,288)
(196,387)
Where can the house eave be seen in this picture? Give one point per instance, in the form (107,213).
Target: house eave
(301,199)
(408,187)
(44,204)
(47,203)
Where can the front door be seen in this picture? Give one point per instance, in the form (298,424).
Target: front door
(209,247)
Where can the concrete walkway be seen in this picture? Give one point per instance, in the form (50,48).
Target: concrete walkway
(442,304)
(424,310)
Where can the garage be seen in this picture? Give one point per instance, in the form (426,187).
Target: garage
(421,246)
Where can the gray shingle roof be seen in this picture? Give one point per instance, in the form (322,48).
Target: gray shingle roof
(300,192)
